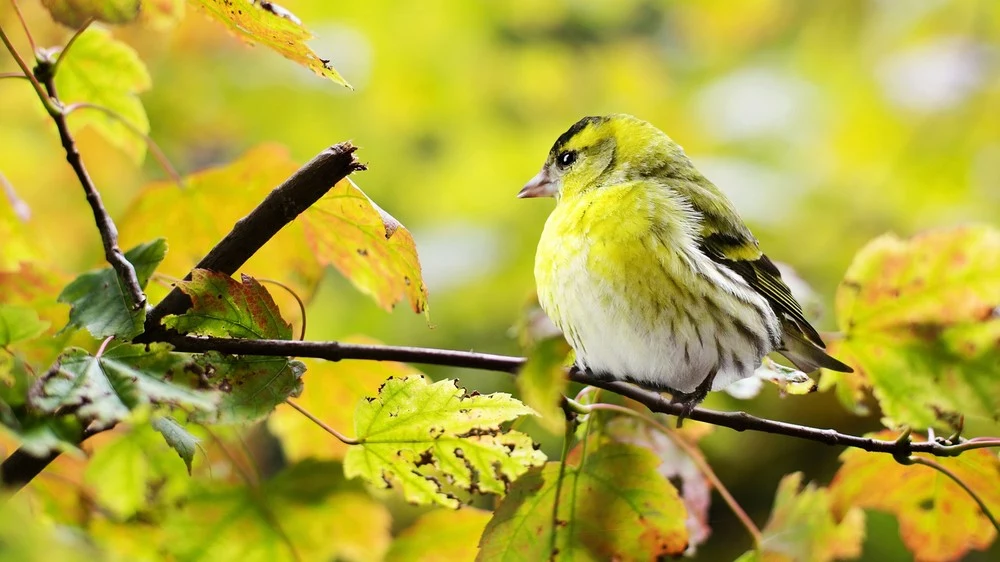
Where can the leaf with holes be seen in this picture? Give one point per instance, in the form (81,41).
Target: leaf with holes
(372,249)
(99,70)
(269,24)
(100,303)
(250,386)
(331,391)
(613,505)
(937,518)
(415,433)
(804,526)
(104,390)
(225,308)
(921,324)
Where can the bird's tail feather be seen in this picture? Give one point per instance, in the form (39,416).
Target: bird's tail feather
(805,355)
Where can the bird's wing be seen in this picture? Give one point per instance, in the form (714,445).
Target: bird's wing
(727,241)
(763,276)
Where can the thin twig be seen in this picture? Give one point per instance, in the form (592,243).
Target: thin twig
(739,421)
(69,44)
(50,106)
(154,148)
(696,458)
(298,299)
(340,436)
(940,468)
(24,24)
(12,75)
(109,232)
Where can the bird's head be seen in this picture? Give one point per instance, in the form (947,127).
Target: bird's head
(601,151)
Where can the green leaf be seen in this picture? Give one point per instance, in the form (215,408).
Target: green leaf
(100,303)
(99,70)
(921,325)
(442,534)
(250,387)
(938,520)
(75,13)
(223,307)
(414,432)
(331,390)
(804,526)
(271,25)
(373,250)
(304,513)
(105,390)
(133,471)
(542,382)
(178,438)
(613,505)
(18,323)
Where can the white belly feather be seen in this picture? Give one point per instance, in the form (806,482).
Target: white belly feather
(614,334)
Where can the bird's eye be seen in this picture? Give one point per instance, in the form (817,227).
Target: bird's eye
(566,158)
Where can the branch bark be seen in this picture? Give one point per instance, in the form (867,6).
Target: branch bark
(281,206)
(109,232)
(738,421)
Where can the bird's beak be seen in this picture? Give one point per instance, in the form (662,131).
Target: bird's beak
(539,186)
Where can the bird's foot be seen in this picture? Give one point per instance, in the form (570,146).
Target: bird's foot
(690,400)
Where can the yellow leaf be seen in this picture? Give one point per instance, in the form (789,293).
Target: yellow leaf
(442,535)
(271,25)
(208,206)
(371,248)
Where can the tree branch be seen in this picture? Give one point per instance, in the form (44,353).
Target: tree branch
(109,232)
(738,421)
(279,208)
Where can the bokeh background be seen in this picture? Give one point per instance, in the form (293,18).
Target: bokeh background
(827,123)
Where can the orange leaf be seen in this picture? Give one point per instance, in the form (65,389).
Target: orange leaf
(938,521)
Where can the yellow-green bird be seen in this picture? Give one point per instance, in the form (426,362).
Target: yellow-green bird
(649,271)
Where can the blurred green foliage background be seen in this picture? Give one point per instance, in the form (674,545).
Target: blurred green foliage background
(827,123)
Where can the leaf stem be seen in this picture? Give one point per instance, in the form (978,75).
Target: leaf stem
(699,461)
(69,44)
(302,305)
(50,106)
(24,24)
(154,148)
(943,470)
(340,436)
(568,431)
(12,75)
